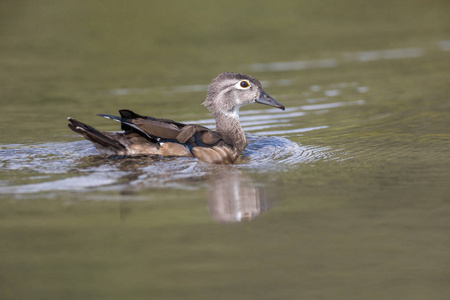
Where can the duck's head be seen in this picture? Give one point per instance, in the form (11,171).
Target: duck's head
(230,91)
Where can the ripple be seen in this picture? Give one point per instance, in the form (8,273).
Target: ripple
(388,54)
(86,170)
(265,119)
(44,157)
(358,56)
(331,105)
(267,152)
(290,131)
(294,65)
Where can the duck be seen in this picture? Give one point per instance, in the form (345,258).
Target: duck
(151,136)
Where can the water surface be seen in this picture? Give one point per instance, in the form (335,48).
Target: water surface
(342,196)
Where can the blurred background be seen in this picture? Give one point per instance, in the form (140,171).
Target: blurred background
(363,214)
(61,58)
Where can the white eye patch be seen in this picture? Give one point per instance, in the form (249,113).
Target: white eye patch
(243,85)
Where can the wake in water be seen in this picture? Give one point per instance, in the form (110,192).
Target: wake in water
(76,166)
(84,169)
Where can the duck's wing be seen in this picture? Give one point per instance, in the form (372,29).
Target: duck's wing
(209,146)
(166,129)
(201,135)
(153,128)
(128,114)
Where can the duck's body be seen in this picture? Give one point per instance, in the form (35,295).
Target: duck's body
(144,135)
(152,136)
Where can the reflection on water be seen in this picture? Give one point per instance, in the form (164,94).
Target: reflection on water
(360,56)
(234,197)
(232,194)
(294,65)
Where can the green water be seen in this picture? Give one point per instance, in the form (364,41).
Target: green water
(349,189)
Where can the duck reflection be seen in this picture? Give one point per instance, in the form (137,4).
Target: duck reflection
(234,197)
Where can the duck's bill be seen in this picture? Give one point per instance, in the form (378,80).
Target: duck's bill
(264,98)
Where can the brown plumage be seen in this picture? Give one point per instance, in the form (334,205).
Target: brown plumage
(144,135)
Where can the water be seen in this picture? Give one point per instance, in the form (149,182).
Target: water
(342,196)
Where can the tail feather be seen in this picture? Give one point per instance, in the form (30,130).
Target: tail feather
(124,122)
(111,117)
(95,136)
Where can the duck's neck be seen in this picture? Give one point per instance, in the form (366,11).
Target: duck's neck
(230,128)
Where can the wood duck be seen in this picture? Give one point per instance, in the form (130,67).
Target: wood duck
(144,135)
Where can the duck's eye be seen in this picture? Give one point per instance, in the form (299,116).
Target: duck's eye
(244,84)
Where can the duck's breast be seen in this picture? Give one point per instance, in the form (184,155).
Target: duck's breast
(220,154)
